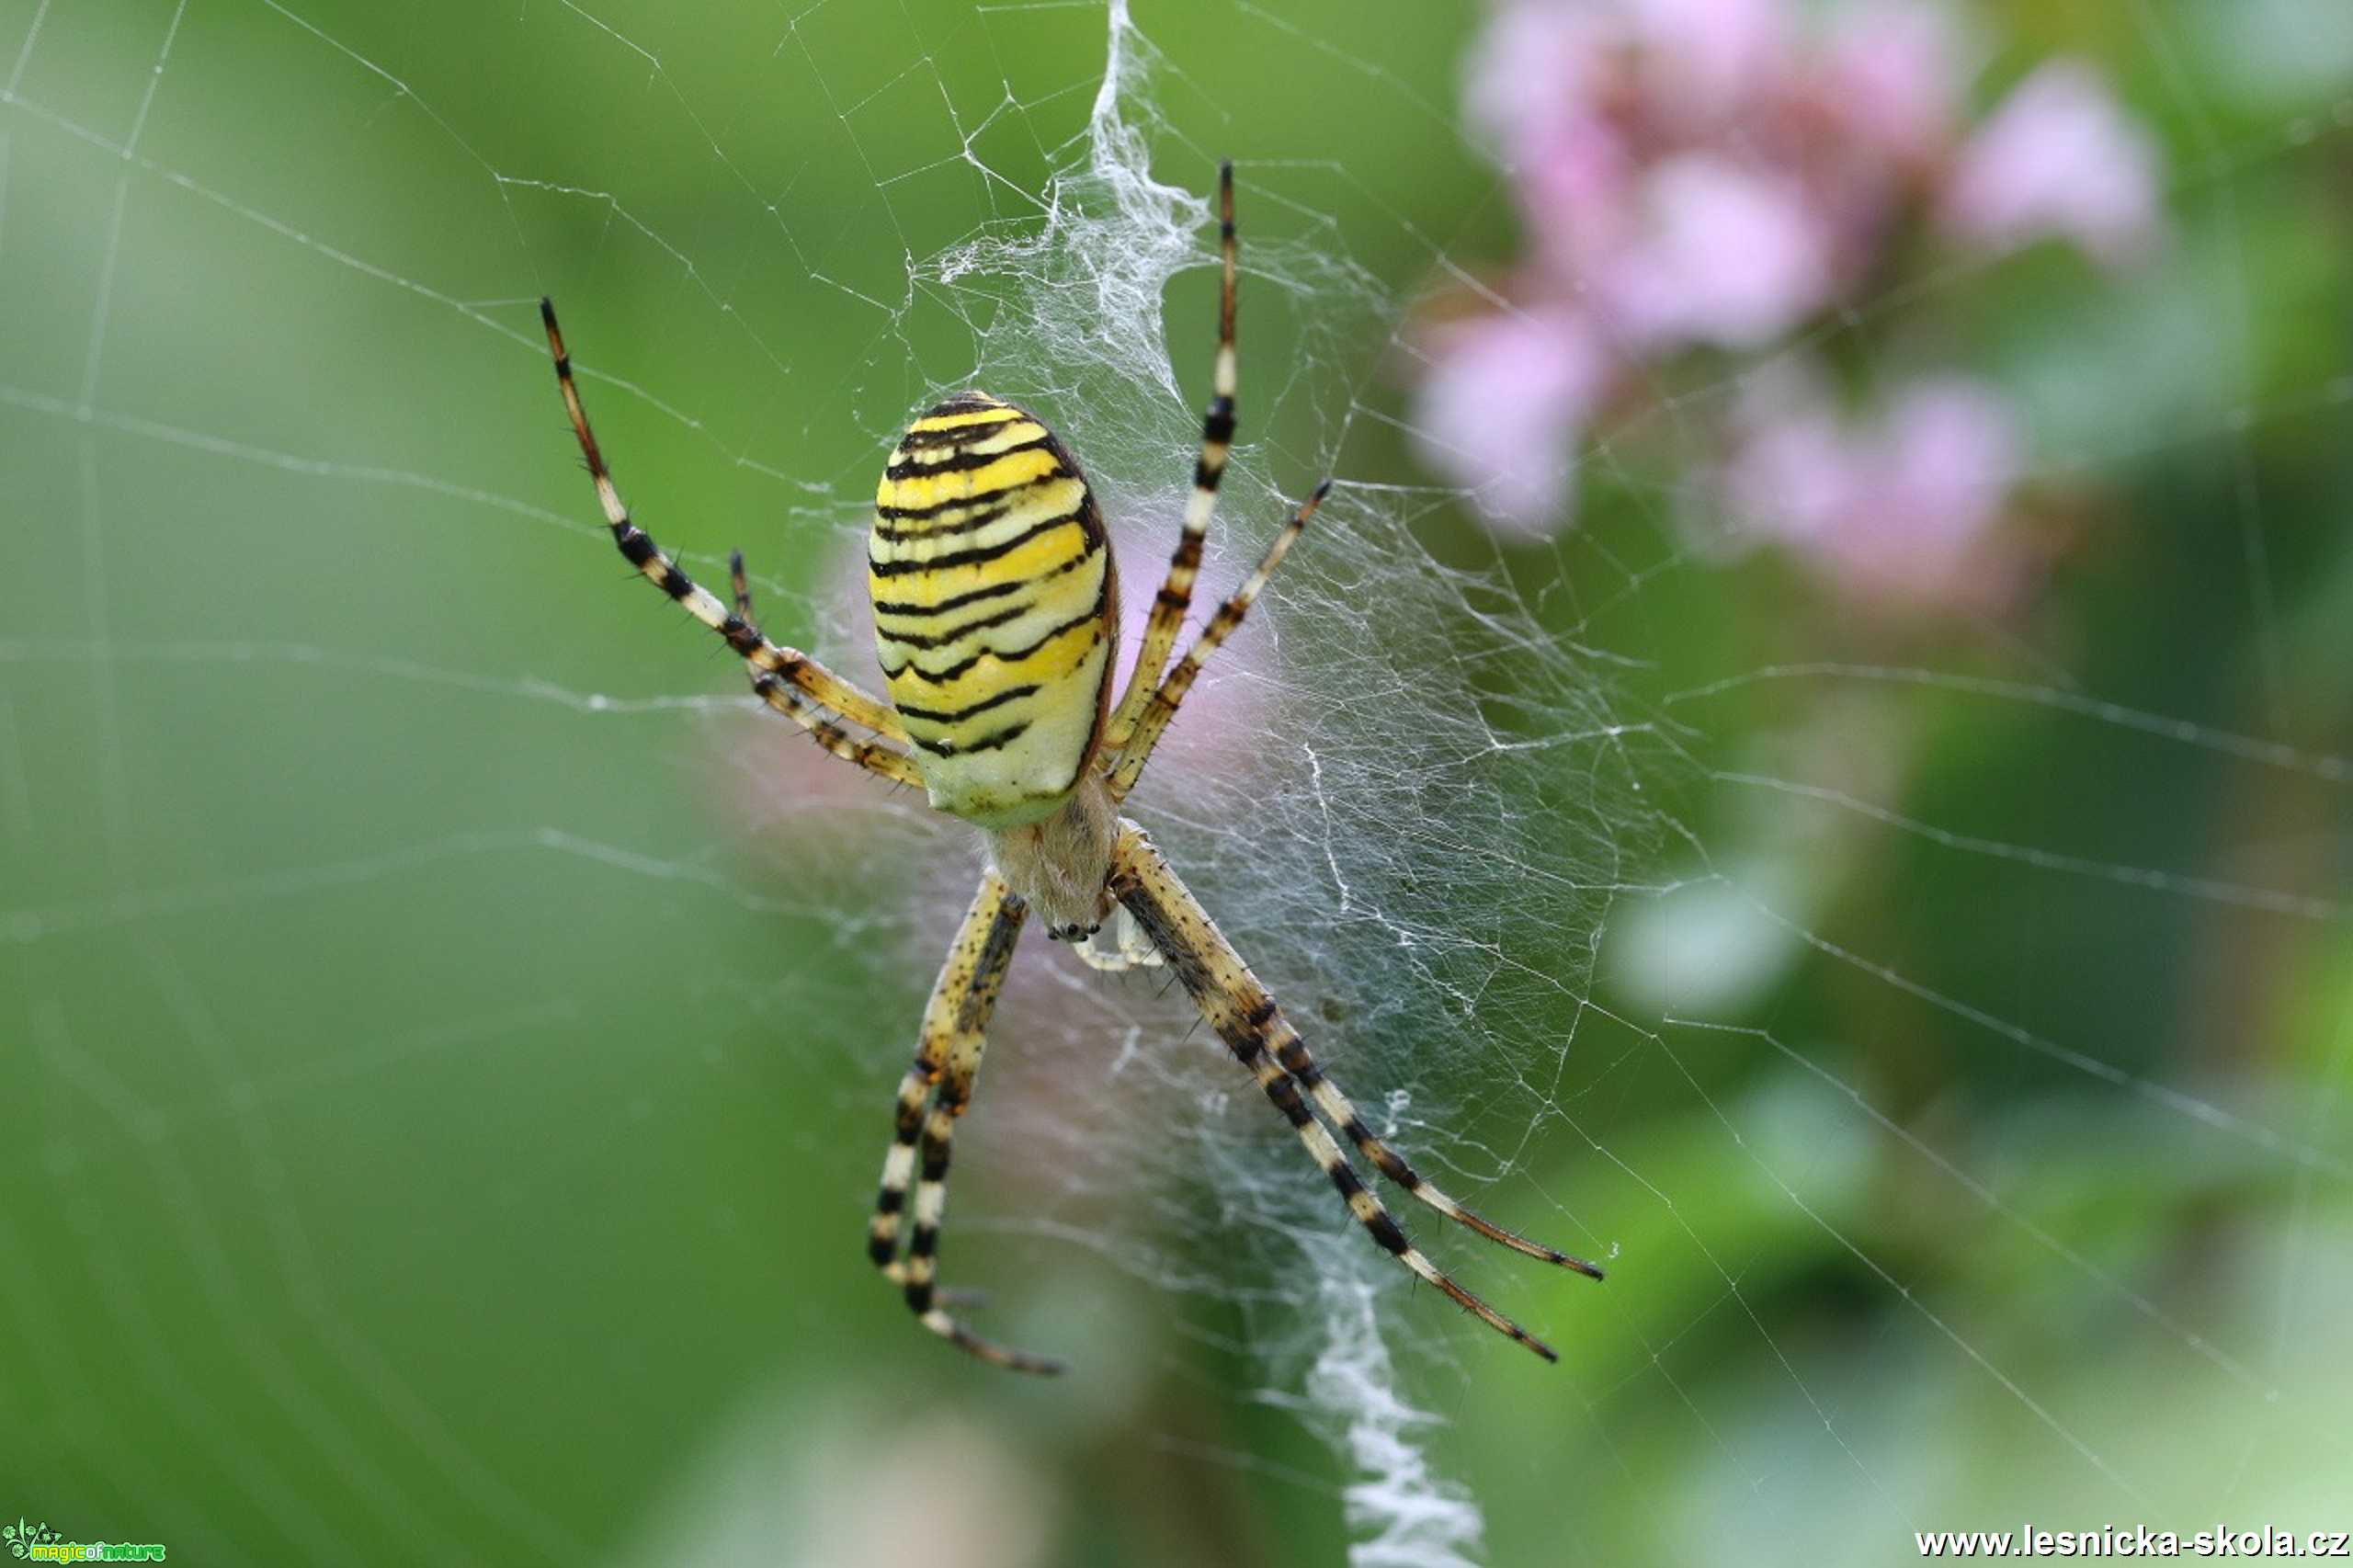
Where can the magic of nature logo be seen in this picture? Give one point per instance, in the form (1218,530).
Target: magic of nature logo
(38,1544)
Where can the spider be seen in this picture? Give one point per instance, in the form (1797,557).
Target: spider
(995,613)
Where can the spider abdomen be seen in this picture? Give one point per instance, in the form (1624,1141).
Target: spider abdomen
(994,608)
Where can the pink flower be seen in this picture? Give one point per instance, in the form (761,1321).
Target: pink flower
(1539,87)
(1503,407)
(1887,78)
(1721,175)
(1709,63)
(2058,159)
(1534,69)
(1898,508)
(1728,256)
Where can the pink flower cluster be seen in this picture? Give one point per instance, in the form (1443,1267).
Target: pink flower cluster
(1714,176)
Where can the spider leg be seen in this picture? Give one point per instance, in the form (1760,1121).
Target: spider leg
(1170,694)
(741,586)
(1217,438)
(1292,1052)
(872,756)
(1254,1028)
(799,687)
(934,1091)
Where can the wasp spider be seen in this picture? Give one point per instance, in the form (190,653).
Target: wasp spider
(995,610)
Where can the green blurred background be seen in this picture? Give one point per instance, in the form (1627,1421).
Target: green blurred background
(442,1106)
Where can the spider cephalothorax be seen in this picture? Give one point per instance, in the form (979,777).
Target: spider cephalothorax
(995,620)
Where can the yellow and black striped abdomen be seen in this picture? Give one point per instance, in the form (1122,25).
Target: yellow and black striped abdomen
(994,604)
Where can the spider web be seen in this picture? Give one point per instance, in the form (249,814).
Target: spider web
(446,1022)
